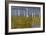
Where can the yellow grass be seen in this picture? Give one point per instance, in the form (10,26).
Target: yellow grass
(23,21)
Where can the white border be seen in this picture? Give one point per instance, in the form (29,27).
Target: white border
(25,29)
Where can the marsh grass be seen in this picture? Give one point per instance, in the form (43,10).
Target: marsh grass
(23,21)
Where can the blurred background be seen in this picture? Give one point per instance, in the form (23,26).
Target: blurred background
(2,17)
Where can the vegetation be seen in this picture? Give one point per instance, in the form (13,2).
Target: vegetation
(23,21)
